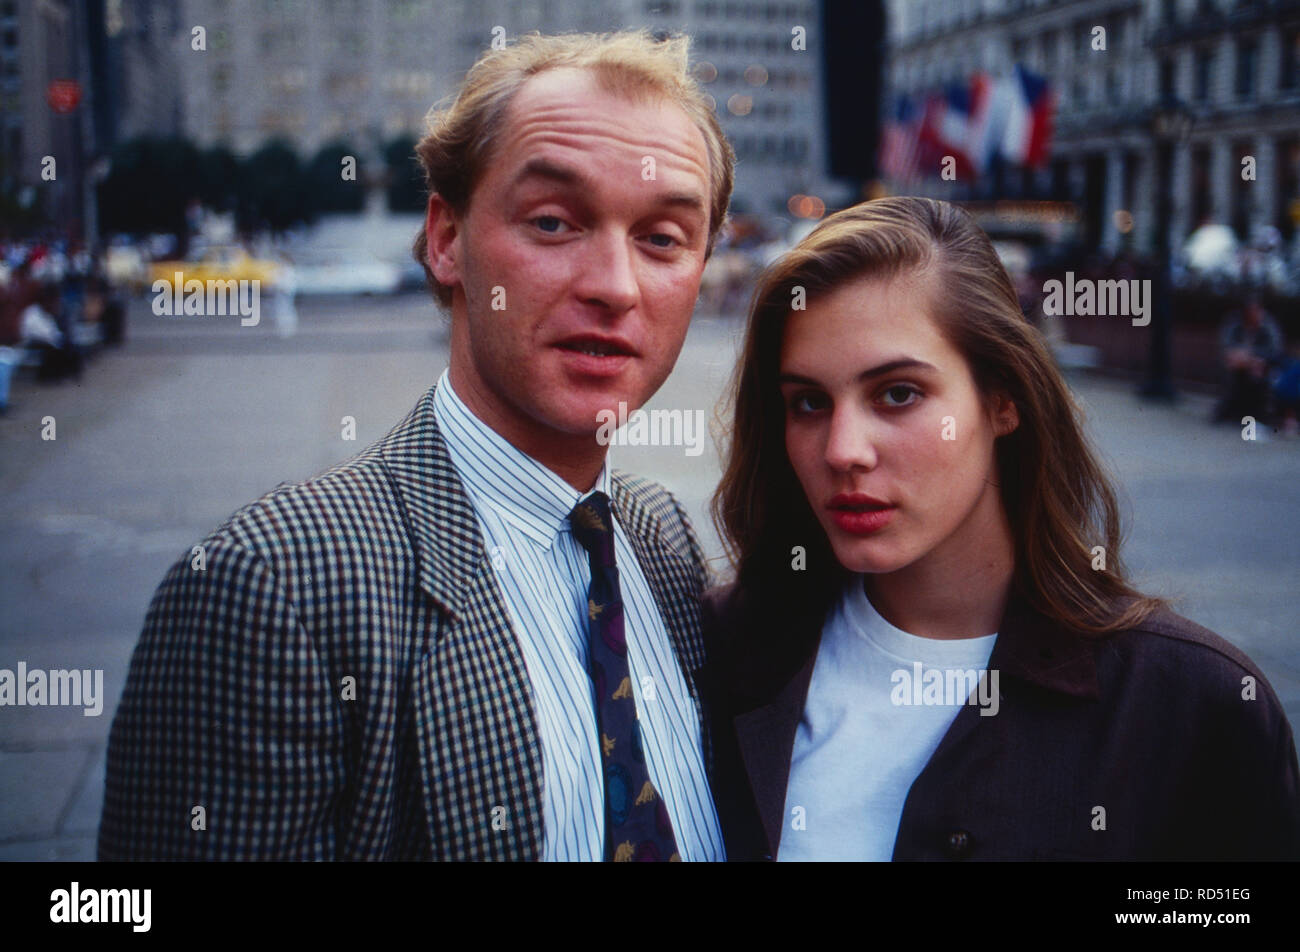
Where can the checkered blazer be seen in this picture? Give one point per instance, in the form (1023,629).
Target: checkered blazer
(340,680)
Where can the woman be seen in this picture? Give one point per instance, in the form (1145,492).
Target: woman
(930,650)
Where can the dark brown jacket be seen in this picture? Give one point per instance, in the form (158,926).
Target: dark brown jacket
(1149,724)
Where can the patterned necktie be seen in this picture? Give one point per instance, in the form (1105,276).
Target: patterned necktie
(636,823)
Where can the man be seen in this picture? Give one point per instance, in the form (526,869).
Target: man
(1252,345)
(472,641)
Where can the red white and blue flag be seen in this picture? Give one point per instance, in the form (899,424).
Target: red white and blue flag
(900,143)
(1010,117)
(1028,132)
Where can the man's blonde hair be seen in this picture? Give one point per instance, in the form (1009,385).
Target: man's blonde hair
(459,139)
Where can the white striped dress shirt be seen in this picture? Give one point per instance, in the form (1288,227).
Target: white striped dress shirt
(523,511)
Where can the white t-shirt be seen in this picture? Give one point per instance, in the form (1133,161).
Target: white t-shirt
(878,705)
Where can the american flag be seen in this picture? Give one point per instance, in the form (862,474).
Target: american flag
(900,146)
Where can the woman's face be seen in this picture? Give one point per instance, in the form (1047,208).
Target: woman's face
(886,430)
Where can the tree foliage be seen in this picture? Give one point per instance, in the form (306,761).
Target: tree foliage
(405,177)
(330,190)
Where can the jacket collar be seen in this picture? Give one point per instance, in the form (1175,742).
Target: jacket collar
(1033,648)
(444,526)
(499,476)
(1029,648)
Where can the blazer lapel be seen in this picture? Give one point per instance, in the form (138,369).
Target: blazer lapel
(474,718)
(765,737)
(672,582)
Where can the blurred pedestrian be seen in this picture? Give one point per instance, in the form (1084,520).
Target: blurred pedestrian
(286,287)
(1286,393)
(1252,344)
(42,330)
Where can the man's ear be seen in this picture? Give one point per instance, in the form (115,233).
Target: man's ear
(442,237)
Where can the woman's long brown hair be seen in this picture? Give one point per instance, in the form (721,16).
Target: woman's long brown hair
(1057,497)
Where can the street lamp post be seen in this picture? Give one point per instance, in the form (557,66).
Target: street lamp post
(1171,124)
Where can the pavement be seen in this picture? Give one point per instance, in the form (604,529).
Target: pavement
(163,439)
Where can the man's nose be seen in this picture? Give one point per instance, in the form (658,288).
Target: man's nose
(850,439)
(608,272)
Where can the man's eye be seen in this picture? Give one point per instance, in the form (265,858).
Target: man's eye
(661,240)
(900,395)
(549,224)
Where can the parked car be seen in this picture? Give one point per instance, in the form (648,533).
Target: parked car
(344,271)
(219,263)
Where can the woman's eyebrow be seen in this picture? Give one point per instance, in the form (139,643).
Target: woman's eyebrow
(901,363)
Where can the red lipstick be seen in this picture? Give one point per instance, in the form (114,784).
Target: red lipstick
(860,514)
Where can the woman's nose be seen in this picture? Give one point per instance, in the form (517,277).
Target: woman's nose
(850,441)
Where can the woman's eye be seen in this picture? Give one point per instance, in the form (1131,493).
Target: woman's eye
(900,396)
(802,403)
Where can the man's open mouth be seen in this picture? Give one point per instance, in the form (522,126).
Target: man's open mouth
(596,347)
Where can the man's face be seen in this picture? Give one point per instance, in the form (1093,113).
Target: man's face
(577,264)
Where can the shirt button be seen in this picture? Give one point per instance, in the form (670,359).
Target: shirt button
(959,844)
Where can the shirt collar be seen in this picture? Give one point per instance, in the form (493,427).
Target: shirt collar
(530,497)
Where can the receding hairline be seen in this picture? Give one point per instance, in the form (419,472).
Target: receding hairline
(635,94)
(611,78)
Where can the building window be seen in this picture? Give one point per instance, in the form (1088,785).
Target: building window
(1290,65)
(1200,186)
(1288,186)
(1204,66)
(1242,194)
(1168,77)
(1247,63)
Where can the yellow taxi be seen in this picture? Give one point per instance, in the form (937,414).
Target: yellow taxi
(218,263)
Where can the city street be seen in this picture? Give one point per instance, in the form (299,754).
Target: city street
(164,438)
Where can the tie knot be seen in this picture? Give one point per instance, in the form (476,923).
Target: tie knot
(593,527)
